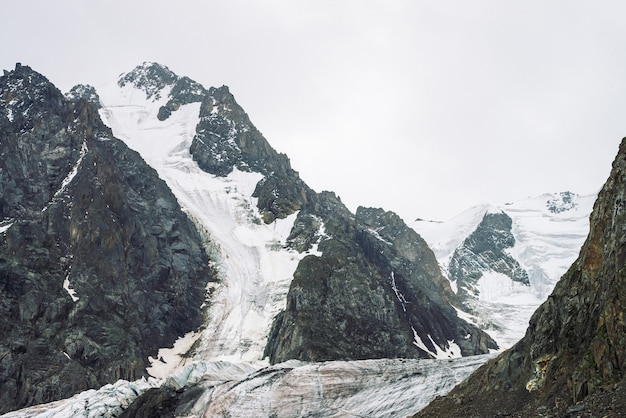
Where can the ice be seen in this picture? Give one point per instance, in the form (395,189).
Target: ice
(372,388)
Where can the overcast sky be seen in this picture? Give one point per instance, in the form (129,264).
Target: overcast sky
(421,107)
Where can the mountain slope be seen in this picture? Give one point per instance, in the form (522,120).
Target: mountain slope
(572,356)
(99,268)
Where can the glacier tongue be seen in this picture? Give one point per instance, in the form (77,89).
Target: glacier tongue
(372,388)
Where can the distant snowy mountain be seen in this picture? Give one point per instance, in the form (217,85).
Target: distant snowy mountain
(253,260)
(544,234)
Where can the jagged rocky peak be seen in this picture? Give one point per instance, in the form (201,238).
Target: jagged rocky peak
(38,143)
(573,356)
(25,94)
(375,291)
(226,139)
(84,92)
(159,83)
(150,77)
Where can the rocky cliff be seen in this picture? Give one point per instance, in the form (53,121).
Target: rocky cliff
(99,267)
(572,358)
(375,291)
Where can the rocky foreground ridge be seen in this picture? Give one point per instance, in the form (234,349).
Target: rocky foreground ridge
(572,359)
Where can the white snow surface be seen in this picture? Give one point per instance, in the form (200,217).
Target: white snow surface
(546,245)
(254,267)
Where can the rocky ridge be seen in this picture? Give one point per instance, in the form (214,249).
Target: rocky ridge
(376,323)
(376,291)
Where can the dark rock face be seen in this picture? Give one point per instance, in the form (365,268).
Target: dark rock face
(565,202)
(573,356)
(225,139)
(485,250)
(84,92)
(99,267)
(374,287)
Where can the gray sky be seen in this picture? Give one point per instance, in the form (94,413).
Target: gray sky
(420,107)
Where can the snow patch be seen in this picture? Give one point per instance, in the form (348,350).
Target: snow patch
(70,176)
(68,288)
(169,359)
(3,228)
(453,351)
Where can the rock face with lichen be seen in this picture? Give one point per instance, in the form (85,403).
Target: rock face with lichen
(573,356)
(99,267)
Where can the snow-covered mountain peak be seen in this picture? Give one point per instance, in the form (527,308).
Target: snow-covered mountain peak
(255,266)
(150,77)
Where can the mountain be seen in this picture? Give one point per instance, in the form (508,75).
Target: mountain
(572,357)
(503,261)
(219,144)
(148,226)
(99,266)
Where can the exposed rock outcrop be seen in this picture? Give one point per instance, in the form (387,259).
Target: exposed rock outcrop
(573,356)
(485,251)
(374,291)
(99,267)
